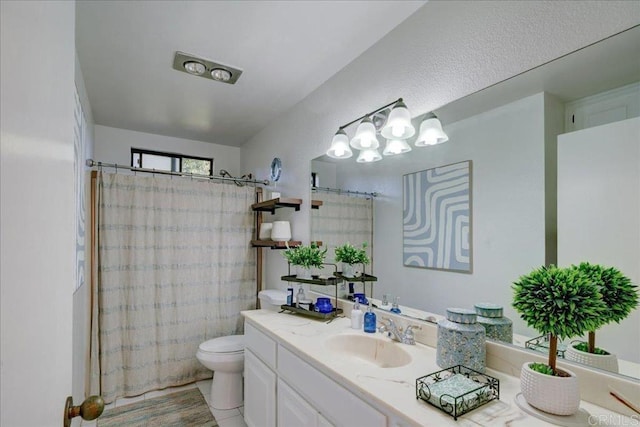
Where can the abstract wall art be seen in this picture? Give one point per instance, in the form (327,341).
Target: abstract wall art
(437,218)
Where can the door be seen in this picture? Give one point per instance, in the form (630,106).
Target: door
(259,392)
(293,410)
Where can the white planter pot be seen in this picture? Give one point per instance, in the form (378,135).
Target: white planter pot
(348,270)
(303,273)
(555,395)
(608,362)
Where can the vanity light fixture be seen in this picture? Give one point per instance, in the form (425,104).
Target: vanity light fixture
(394,125)
(205,68)
(431,132)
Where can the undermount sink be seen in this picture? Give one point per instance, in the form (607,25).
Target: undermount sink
(371,349)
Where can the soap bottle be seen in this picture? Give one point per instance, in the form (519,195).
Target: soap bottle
(299,296)
(385,303)
(394,307)
(356,315)
(370,320)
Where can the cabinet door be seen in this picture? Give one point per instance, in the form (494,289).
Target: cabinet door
(293,410)
(259,392)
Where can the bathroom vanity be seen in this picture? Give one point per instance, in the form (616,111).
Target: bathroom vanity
(300,371)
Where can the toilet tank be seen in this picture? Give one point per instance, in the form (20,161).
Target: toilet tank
(272,299)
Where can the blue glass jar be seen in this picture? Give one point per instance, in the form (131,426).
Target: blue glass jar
(323,305)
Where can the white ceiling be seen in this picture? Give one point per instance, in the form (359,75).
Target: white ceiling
(286,49)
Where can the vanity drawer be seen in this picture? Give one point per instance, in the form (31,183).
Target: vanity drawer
(260,344)
(330,399)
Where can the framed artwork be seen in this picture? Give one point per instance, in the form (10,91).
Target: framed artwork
(436,229)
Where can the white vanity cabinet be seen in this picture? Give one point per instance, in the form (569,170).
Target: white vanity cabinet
(283,390)
(259,379)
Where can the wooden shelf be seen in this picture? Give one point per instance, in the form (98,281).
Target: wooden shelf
(274,245)
(273,204)
(315,204)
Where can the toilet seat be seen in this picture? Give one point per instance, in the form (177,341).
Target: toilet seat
(228,344)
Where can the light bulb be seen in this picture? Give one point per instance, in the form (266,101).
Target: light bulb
(339,151)
(397,130)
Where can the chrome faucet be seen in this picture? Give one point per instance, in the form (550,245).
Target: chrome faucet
(396,333)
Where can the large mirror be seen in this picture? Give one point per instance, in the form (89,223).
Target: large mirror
(511,133)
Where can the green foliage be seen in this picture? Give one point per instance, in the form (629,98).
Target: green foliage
(618,293)
(306,256)
(583,346)
(541,368)
(558,301)
(351,255)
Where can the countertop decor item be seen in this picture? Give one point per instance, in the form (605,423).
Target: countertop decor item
(620,297)
(461,340)
(457,390)
(497,326)
(565,294)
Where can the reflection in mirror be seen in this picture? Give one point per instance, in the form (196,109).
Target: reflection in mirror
(512,131)
(339,217)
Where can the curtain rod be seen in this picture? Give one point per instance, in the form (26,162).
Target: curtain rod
(92,163)
(339,190)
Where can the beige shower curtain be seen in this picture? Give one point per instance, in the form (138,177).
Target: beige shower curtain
(175,268)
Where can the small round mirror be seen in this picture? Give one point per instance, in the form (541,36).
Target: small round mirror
(276,169)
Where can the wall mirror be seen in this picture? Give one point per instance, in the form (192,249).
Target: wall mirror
(510,132)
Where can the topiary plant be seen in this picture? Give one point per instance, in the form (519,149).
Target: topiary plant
(618,293)
(560,302)
(351,255)
(305,256)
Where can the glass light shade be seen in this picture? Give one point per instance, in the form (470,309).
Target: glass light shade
(396,146)
(368,156)
(220,74)
(431,132)
(194,67)
(365,137)
(398,124)
(340,146)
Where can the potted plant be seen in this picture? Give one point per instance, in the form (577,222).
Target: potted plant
(349,256)
(620,297)
(562,303)
(305,257)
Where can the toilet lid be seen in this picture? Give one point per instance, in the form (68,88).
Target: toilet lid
(229,344)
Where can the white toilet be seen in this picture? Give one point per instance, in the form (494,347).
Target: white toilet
(225,357)
(272,299)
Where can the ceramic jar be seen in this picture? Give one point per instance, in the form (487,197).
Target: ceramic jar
(497,326)
(281,231)
(461,340)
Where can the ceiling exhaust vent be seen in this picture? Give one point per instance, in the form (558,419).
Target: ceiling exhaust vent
(204,68)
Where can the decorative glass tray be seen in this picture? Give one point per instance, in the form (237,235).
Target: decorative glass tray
(457,390)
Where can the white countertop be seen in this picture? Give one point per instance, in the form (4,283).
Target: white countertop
(392,390)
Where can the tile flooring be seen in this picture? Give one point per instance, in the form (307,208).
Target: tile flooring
(225,418)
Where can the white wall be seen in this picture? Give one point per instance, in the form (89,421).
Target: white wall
(37,210)
(113,145)
(442,52)
(599,212)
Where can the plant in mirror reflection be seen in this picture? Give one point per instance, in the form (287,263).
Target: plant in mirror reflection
(618,293)
(349,254)
(560,302)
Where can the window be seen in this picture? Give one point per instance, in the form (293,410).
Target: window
(171,162)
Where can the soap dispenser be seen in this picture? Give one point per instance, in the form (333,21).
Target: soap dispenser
(395,308)
(356,315)
(385,303)
(370,320)
(300,296)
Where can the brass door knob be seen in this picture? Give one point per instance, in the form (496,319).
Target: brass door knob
(90,409)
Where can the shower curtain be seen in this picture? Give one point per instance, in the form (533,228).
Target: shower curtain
(175,268)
